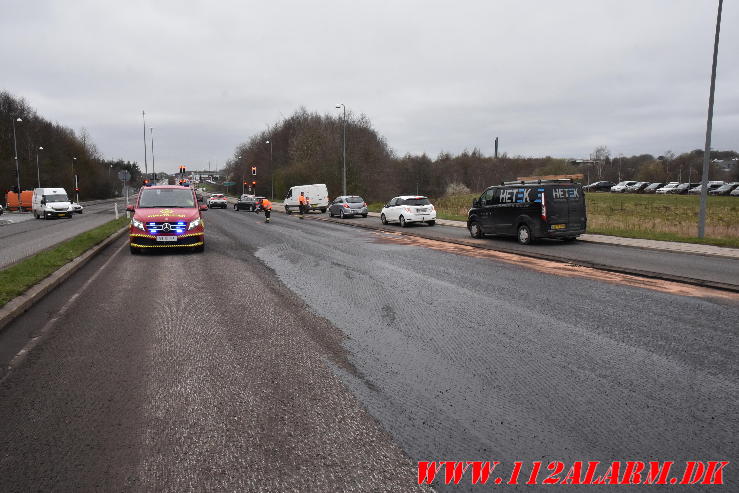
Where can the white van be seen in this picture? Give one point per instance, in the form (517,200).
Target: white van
(317,197)
(50,202)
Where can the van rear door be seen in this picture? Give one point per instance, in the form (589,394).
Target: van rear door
(565,206)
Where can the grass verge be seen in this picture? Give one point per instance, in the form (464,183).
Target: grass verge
(16,279)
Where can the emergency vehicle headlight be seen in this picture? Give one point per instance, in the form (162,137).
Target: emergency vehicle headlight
(194,224)
(137,224)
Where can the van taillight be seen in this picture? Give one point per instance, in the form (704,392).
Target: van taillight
(543,206)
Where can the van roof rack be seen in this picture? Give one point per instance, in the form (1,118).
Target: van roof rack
(538,182)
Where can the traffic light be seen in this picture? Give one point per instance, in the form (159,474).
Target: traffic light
(182,170)
(254,183)
(77,189)
(254,171)
(246,183)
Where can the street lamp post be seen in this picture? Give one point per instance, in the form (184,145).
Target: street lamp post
(17,170)
(271,171)
(74,174)
(38,169)
(709,127)
(153,171)
(343,176)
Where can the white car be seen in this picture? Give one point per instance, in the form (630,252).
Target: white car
(408,209)
(217,200)
(621,187)
(668,188)
(76,208)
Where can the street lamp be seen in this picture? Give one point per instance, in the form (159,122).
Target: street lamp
(343,176)
(74,173)
(151,134)
(271,171)
(17,172)
(38,170)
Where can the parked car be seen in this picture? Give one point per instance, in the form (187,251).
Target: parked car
(217,200)
(76,208)
(637,187)
(348,206)
(712,185)
(735,192)
(408,209)
(724,189)
(653,187)
(621,187)
(246,202)
(50,202)
(668,188)
(166,216)
(199,195)
(683,188)
(599,186)
(317,197)
(529,210)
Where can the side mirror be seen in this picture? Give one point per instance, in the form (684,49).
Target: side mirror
(203,207)
(130,208)
(476,203)
(43,201)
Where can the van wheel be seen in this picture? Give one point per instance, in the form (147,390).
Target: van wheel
(475,230)
(45,216)
(401,220)
(569,239)
(323,210)
(524,234)
(383,219)
(431,223)
(364,215)
(287,210)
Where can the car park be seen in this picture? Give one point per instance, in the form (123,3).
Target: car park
(712,185)
(621,187)
(667,188)
(637,187)
(408,209)
(599,186)
(724,189)
(246,202)
(166,216)
(652,187)
(50,202)
(217,200)
(529,210)
(317,197)
(348,206)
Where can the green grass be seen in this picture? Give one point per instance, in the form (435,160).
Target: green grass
(655,217)
(16,279)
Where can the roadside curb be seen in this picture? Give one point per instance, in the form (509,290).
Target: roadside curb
(554,258)
(20,304)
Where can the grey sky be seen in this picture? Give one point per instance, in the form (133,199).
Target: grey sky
(548,77)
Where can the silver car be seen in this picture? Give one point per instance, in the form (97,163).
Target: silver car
(348,206)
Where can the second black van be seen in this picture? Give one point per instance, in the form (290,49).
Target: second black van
(529,210)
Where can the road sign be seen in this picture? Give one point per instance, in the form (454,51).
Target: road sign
(124,175)
(229,183)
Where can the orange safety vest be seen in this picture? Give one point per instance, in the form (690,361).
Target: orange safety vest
(266,204)
(302,199)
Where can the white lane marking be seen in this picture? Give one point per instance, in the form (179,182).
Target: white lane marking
(33,341)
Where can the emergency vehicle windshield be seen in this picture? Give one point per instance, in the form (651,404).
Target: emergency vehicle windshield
(166,197)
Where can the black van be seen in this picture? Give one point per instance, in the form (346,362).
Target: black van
(530,210)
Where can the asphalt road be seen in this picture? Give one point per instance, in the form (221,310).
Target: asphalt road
(307,355)
(23,238)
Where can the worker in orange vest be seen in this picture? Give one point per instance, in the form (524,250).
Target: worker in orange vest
(302,203)
(266,206)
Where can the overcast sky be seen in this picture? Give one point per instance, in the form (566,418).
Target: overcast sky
(548,77)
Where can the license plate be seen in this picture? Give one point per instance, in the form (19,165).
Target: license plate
(559,226)
(422,211)
(166,238)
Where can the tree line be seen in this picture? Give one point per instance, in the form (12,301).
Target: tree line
(97,177)
(306,148)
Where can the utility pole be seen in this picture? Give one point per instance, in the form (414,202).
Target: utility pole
(709,126)
(38,169)
(496,148)
(343,178)
(271,171)
(146,165)
(151,133)
(17,170)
